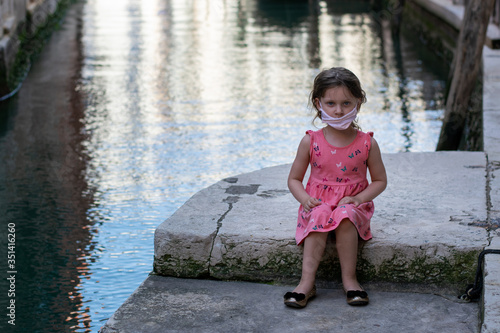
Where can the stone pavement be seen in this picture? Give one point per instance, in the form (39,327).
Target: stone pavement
(163,304)
(438,212)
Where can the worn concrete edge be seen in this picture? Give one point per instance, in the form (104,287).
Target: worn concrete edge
(109,325)
(201,238)
(406,261)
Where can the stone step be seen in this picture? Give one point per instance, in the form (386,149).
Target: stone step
(427,228)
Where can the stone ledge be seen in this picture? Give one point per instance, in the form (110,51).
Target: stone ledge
(453,14)
(427,226)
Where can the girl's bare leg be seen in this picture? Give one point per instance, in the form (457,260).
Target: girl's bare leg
(314,246)
(346,236)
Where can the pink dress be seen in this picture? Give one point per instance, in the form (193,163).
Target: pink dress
(336,172)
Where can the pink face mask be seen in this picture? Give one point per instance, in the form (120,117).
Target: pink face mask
(341,123)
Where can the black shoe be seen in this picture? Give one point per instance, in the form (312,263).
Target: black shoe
(357,297)
(298,300)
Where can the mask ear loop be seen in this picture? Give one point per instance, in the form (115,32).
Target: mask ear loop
(318,110)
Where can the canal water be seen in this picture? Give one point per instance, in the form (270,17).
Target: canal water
(134,106)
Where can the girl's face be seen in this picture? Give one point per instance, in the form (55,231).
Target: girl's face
(337,102)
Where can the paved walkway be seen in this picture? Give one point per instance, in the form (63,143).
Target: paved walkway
(163,304)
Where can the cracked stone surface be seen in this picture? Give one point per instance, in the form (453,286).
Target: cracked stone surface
(427,227)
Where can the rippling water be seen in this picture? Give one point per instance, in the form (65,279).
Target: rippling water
(168,97)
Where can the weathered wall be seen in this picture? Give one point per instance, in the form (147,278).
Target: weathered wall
(19,18)
(495,18)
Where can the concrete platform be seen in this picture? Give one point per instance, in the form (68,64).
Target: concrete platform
(426,227)
(184,305)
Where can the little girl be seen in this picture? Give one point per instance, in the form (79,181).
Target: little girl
(337,196)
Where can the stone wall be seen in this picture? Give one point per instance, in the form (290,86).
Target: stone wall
(19,18)
(495,18)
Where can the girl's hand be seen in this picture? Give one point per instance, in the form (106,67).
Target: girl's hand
(350,200)
(311,203)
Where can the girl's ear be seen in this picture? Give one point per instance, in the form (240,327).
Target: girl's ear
(316,103)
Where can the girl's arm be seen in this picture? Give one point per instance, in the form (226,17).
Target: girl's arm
(296,176)
(378,177)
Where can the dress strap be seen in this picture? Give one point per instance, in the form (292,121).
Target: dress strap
(368,142)
(312,139)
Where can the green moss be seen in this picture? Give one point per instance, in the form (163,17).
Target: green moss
(187,268)
(454,271)
(31,44)
(365,270)
(457,270)
(279,267)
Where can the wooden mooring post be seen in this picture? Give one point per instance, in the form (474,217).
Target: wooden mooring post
(465,69)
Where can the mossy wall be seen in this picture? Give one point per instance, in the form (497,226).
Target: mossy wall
(19,48)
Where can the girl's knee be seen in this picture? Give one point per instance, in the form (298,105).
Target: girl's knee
(346,226)
(317,236)
(346,223)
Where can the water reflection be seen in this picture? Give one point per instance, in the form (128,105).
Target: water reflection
(44,193)
(164,98)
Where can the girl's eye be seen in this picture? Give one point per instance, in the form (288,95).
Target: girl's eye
(347,103)
(329,103)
